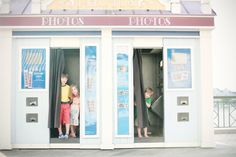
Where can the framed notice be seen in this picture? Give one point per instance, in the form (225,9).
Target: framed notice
(33,68)
(179,68)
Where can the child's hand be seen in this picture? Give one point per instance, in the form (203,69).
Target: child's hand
(148,105)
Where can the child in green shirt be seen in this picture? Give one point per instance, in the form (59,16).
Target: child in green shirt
(148,101)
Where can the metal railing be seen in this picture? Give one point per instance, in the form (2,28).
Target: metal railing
(224,112)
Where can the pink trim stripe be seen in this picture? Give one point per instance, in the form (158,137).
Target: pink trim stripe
(106,21)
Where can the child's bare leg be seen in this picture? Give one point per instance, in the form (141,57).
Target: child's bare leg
(139,132)
(72,132)
(60,130)
(145,132)
(67,129)
(72,129)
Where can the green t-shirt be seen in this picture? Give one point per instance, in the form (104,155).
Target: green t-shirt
(148,100)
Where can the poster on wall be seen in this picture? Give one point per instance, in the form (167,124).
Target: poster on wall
(33,68)
(122,94)
(179,68)
(90,91)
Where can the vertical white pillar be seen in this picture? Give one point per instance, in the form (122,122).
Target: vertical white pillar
(106,90)
(4,6)
(205,6)
(35,7)
(175,6)
(206,122)
(5,92)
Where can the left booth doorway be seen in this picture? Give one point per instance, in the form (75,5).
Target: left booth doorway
(63,61)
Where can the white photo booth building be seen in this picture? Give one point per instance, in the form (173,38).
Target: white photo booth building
(112,56)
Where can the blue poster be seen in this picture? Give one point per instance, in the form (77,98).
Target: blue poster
(33,68)
(90,91)
(179,68)
(122,94)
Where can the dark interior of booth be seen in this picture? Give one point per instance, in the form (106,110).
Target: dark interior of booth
(72,68)
(152,73)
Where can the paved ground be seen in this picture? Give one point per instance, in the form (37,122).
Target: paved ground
(225,147)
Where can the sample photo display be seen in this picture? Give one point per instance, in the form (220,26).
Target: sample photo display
(179,68)
(33,64)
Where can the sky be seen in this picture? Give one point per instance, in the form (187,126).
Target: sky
(223,41)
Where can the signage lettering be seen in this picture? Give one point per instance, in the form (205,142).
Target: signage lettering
(149,21)
(131,21)
(62,21)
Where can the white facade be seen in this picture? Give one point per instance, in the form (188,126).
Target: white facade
(196,132)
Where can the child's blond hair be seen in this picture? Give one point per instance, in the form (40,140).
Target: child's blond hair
(74,86)
(149,90)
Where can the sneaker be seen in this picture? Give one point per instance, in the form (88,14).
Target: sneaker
(61,136)
(66,136)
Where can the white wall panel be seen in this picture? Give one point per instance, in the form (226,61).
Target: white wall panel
(5,92)
(30,133)
(188,131)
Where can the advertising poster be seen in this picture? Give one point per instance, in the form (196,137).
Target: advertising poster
(33,65)
(90,91)
(179,68)
(122,94)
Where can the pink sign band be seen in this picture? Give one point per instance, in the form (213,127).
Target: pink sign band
(106,21)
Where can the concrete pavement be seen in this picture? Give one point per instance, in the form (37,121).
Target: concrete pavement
(225,147)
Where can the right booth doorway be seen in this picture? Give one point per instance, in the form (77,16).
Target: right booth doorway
(148,95)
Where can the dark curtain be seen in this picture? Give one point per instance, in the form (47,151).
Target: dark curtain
(56,69)
(139,99)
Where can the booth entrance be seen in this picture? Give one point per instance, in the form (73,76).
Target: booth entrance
(148,70)
(81,65)
(65,61)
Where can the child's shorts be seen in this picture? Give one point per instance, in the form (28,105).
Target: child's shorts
(65,114)
(74,115)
